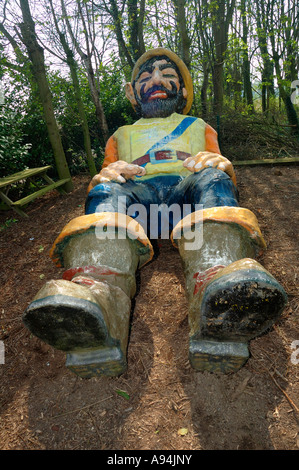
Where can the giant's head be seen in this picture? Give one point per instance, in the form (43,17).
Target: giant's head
(160,85)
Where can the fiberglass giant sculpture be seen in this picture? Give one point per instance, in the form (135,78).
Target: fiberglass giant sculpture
(172,161)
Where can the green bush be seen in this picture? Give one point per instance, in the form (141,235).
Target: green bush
(14,153)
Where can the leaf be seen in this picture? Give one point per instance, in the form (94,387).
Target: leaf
(123,394)
(182,431)
(41,248)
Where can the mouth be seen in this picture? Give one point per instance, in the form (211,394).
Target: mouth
(159,94)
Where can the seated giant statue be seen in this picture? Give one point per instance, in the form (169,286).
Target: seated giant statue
(162,176)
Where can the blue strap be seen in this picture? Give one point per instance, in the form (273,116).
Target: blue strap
(177,132)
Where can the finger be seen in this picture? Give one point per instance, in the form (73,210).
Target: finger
(204,160)
(132,170)
(230,171)
(103,179)
(112,175)
(222,166)
(189,163)
(194,164)
(118,166)
(96,180)
(200,156)
(228,168)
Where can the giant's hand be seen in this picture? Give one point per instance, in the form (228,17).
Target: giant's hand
(119,171)
(209,159)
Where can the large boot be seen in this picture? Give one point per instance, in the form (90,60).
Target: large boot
(87,312)
(232,298)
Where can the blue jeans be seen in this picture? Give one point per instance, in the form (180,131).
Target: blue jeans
(208,188)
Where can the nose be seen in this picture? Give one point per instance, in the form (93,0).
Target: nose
(157,77)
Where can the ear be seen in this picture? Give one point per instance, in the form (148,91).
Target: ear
(185,93)
(130,93)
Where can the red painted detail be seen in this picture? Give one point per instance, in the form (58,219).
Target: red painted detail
(84,281)
(92,270)
(204,277)
(162,95)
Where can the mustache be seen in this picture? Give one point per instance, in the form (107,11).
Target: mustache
(170,93)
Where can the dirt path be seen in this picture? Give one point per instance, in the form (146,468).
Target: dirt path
(45,406)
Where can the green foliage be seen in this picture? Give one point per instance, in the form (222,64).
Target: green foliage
(23,133)
(7,224)
(14,153)
(118,109)
(24,141)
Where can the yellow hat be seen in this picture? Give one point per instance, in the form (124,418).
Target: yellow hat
(179,63)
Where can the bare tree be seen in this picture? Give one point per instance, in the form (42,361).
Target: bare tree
(283,44)
(184,41)
(136,12)
(74,74)
(246,63)
(36,56)
(86,57)
(262,14)
(205,49)
(221,13)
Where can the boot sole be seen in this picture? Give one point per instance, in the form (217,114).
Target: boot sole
(66,323)
(77,327)
(240,306)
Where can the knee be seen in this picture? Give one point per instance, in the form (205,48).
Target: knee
(209,175)
(213,187)
(102,189)
(102,198)
(109,197)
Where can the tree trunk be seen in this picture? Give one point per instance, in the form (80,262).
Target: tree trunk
(222,13)
(182,28)
(217,75)
(246,63)
(267,73)
(203,92)
(124,54)
(84,124)
(284,95)
(96,99)
(86,59)
(289,107)
(73,69)
(36,57)
(204,41)
(135,19)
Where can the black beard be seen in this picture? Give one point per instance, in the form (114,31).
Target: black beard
(160,108)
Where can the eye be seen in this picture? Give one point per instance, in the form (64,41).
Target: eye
(144,77)
(169,72)
(169,75)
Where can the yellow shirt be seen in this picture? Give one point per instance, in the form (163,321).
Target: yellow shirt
(175,138)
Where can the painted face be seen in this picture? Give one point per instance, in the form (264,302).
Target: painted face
(156,80)
(158,90)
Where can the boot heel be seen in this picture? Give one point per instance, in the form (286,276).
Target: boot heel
(216,356)
(110,362)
